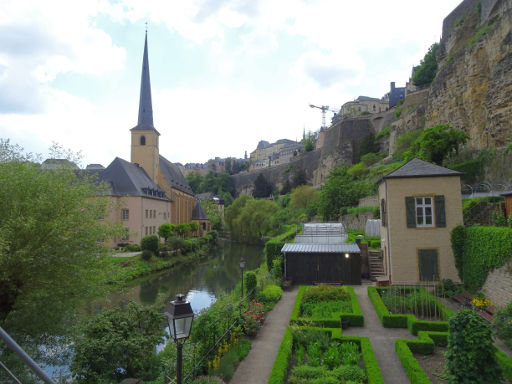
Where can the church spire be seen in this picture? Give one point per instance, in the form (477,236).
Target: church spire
(145,106)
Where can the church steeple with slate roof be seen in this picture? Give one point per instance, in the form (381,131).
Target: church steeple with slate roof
(144,147)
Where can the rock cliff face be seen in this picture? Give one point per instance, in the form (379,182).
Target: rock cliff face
(473,87)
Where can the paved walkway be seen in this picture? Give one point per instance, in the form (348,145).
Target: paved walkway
(382,339)
(256,367)
(126,254)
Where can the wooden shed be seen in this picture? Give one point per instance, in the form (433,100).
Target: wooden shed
(322,263)
(508,203)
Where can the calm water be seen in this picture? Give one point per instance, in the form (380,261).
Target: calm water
(201,283)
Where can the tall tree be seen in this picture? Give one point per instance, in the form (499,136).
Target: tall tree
(51,255)
(262,187)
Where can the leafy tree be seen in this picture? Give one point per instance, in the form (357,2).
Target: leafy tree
(214,215)
(287,187)
(403,142)
(117,344)
(194,179)
(436,142)
(262,187)
(228,165)
(308,142)
(304,196)
(233,211)
(182,229)
(426,72)
(150,243)
(166,230)
(248,219)
(340,191)
(51,255)
(193,226)
(299,177)
(471,353)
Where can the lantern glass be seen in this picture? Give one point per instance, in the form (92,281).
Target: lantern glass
(242,263)
(180,328)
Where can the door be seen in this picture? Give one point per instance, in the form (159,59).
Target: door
(428,264)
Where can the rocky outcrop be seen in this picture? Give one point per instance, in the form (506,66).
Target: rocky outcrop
(473,87)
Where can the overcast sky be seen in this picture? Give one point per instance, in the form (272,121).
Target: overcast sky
(224,73)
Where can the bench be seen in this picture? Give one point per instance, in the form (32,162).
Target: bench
(464,298)
(488,314)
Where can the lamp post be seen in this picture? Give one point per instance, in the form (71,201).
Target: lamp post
(180,318)
(242,266)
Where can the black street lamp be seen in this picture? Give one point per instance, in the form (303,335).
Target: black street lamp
(180,318)
(242,266)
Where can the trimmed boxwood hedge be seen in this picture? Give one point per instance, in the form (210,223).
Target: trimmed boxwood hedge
(355,318)
(425,345)
(482,249)
(280,368)
(409,320)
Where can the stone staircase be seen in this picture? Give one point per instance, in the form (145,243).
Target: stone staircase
(375,264)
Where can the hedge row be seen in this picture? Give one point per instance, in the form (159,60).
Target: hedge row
(280,368)
(483,249)
(355,318)
(425,345)
(409,321)
(273,246)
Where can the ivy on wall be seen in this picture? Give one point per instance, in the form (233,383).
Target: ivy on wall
(479,250)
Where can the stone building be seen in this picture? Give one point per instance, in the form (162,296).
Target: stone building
(363,104)
(269,155)
(150,190)
(420,204)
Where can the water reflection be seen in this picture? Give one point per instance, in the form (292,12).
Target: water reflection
(200,282)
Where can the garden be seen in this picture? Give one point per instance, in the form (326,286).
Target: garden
(326,306)
(323,355)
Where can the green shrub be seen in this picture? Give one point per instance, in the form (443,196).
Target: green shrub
(498,219)
(350,372)
(398,111)
(133,247)
(271,294)
(242,348)
(251,282)
(350,353)
(150,242)
(277,269)
(325,309)
(411,366)
(324,292)
(471,353)
(427,69)
(305,336)
(226,366)
(502,322)
(305,373)
(385,132)
(147,254)
(458,236)
(447,288)
(483,249)
(280,368)
(208,380)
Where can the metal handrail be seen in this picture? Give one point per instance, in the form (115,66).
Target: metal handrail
(25,357)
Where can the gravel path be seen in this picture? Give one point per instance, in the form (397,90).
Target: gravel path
(256,367)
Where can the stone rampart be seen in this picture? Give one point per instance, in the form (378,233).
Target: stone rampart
(498,286)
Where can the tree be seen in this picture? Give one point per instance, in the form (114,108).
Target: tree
(150,243)
(117,344)
(51,255)
(194,179)
(340,191)
(182,229)
(166,230)
(228,165)
(262,187)
(368,145)
(436,142)
(193,226)
(308,142)
(214,214)
(303,196)
(299,177)
(427,69)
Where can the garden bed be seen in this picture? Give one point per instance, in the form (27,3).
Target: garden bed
(401,307)
(429,347)
(324,356)
(326,306)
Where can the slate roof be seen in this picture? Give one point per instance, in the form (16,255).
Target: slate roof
(320,248)
(145,121)
(174,176)
(128,179)
(420,168)
(198,212)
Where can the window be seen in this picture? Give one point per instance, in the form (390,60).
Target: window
(154,229)
(146,230)
(146,213)
(125,213)
(424,212)
(154,214)
(383,212)
(143,140)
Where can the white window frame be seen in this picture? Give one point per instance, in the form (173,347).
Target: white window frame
(423,205)
(125,214)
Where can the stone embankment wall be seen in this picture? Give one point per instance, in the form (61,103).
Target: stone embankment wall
(498,286)
(356,221)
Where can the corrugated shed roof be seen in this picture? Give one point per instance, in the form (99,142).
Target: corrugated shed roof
(320,248)
(128,179)
(420,168)
(174,176)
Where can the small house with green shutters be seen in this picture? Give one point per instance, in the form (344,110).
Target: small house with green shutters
(420,204)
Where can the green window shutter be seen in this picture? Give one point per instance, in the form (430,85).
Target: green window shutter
(439,211)
(410,213)
(428,266)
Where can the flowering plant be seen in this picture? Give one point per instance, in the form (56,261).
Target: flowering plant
(481,303)
(254,317)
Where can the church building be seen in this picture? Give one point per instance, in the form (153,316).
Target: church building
(149,190)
